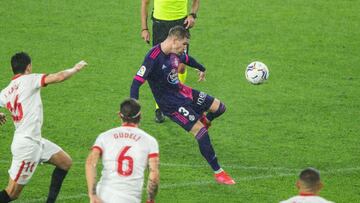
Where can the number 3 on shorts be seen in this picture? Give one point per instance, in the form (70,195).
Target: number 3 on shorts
(183,111)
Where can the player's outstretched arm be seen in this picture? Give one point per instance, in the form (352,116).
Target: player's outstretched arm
(2,118)
(90,169)
(190,61)
(65,74)
(153,181)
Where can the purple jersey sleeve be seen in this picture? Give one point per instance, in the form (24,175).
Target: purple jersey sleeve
(141,77)
(190,61)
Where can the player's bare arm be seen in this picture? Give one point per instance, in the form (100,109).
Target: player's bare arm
(90,169)
(201,76)
(145,34)
(2,118)
(190,20)
(65,74)
(153,181)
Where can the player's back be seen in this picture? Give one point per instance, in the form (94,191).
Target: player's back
(22,98)
(125,153)
(306,199)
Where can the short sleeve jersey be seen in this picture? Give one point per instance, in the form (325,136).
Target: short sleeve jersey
(170,9)
(306,199)
(22,98)
(125,152)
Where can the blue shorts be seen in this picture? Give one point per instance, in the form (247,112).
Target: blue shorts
(188,114)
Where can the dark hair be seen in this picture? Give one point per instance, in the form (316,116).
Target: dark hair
(179,32)
(19,62)
(130,111)
(310,177)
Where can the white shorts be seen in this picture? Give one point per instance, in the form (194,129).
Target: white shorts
(27,154)
(108,195)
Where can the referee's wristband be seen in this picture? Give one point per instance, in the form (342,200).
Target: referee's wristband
(193,15)
(144,29)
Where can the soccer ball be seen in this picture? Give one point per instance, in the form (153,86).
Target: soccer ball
(256,72)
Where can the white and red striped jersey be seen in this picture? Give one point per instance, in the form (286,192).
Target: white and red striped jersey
(306,199)
(125,152)
(22,98)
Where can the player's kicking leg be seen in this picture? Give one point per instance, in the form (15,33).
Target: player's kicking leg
(63,163)
(208,152)
(216,109)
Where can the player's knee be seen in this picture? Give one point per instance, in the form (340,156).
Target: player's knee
(197,128)
(68,164)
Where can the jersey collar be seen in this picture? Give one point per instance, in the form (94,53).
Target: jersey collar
(307,194)
(16,76)
(129,125)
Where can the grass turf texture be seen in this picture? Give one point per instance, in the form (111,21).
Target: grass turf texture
(307,114)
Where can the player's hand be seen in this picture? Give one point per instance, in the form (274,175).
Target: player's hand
(150,201)
(95,199)
(145,34)
(201,76)
(80,65)
(2,118)
(189,22)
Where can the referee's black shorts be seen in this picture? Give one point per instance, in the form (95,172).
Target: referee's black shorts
(161,28)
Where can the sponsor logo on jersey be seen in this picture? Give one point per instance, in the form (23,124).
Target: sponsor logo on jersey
(173,77)
(174,60)
(163,67)
(200,101)
(141,71)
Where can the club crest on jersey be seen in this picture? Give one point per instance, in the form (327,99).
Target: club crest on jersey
(141,71)
(173,76)
(174,60)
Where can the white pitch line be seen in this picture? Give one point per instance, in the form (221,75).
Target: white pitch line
(163,186)
(204,166)
(201,182)
(59,199)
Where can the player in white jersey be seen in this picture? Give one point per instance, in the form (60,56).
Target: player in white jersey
(126,152)
(22,98)
(309,185)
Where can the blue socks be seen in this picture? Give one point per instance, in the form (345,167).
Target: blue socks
(206,148)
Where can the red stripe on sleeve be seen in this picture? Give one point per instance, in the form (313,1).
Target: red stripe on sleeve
(43,81)
(20,171)
(98,148)
(153,155)
(140,79)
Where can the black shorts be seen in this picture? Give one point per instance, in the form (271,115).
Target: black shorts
(161,29)
(188,114)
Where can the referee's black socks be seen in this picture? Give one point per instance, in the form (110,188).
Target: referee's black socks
(4,197)
(56,181)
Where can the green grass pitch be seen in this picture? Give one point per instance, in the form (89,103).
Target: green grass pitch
(306,114)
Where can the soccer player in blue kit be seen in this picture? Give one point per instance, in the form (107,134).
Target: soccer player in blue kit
(182,104)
